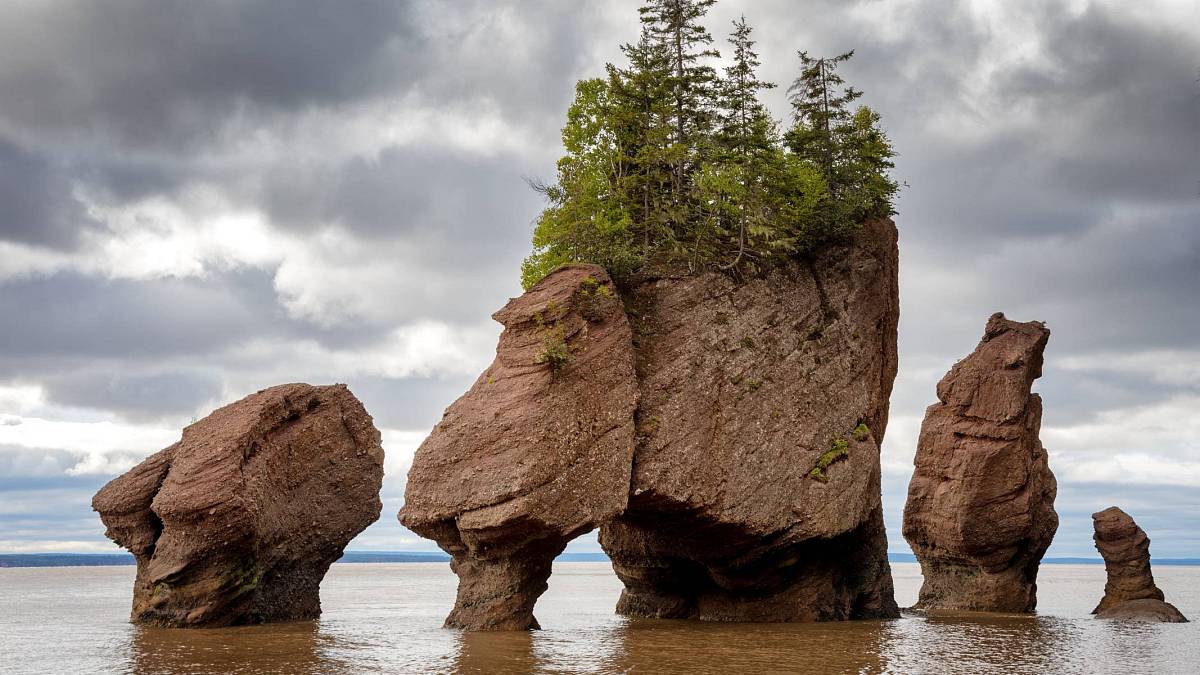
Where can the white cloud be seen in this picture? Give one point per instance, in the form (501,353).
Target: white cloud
(20,399)
(1155,445)
(100,448)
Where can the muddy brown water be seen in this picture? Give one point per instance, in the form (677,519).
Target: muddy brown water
(387,618)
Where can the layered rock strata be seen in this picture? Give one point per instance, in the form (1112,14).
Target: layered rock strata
(755,493)
(239,521)
(1130,592)
(537,452)
(980,511)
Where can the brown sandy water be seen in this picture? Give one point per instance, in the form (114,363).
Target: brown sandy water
(387,619)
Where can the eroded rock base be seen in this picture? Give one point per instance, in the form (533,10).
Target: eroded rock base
(846,577)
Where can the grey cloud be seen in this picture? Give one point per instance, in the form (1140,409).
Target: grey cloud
(152,74)
(71,315)
(135,396)
(409,403)
(1085,219)
(38,205)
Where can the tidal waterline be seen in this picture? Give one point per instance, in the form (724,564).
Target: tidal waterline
(387,618)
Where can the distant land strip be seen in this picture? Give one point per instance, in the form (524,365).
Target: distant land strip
(118,559)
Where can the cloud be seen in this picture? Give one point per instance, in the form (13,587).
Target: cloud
(205,199)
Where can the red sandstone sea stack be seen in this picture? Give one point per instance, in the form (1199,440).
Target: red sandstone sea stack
(1130,592)
(980,512)
(239,521)
(538,451)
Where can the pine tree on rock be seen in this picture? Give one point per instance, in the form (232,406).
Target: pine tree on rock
(691,85)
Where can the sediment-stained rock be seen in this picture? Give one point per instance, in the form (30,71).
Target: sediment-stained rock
(756,484)
(537,452)
(1130,592)
(239,521)
(980,511)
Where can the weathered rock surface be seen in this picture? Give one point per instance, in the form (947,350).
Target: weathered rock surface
(980,511)
(239,521)
(1130,592)
(756,483)
(538,451)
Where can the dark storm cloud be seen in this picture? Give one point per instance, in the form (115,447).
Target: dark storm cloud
(76,316)
(152,73)
(38,207)
(135,396)
(1060,186)
(424,193)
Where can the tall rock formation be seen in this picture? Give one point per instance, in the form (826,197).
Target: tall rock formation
(728,445)
(756,483)
(1130,592)
(239,521)
(980,511)
(536,453)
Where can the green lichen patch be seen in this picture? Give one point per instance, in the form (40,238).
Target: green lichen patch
(861,431)
(838,450)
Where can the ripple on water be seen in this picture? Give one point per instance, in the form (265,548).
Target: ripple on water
(387,618)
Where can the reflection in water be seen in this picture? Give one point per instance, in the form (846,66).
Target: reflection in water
(387,619)
(980,643)
(277,648)
(648,645)
(500,653)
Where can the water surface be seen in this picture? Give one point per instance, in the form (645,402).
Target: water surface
(387,618)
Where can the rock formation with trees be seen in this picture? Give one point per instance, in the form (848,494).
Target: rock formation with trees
(720,415)
(538,451)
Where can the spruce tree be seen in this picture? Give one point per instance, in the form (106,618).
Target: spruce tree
(675,24)
(747,139)
(820,110)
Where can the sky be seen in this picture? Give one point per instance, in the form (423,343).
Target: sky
(200,200)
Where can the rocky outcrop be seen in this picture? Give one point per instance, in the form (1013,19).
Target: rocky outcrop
(980,511)
(1130,592)
(239,521)
(755,493)
(536,453)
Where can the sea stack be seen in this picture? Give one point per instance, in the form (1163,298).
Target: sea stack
(536,453)
(980,512)
(239,521)
(723,433)
(756,484)
(1130,592)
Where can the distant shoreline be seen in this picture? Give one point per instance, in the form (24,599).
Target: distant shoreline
(124,559)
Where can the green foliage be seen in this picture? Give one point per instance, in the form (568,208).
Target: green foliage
(838,450)
(667,161)
(860,432)
(590,297)
(555,352)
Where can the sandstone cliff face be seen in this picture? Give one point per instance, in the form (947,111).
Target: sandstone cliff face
(239,521)
(980,511)
(1130,592)
(756,486)
(538,451)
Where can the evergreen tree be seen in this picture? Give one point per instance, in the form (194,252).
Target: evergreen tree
(666,163)
(675,24)
(848,146)
(820,112)
(641,118)
(748,145)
